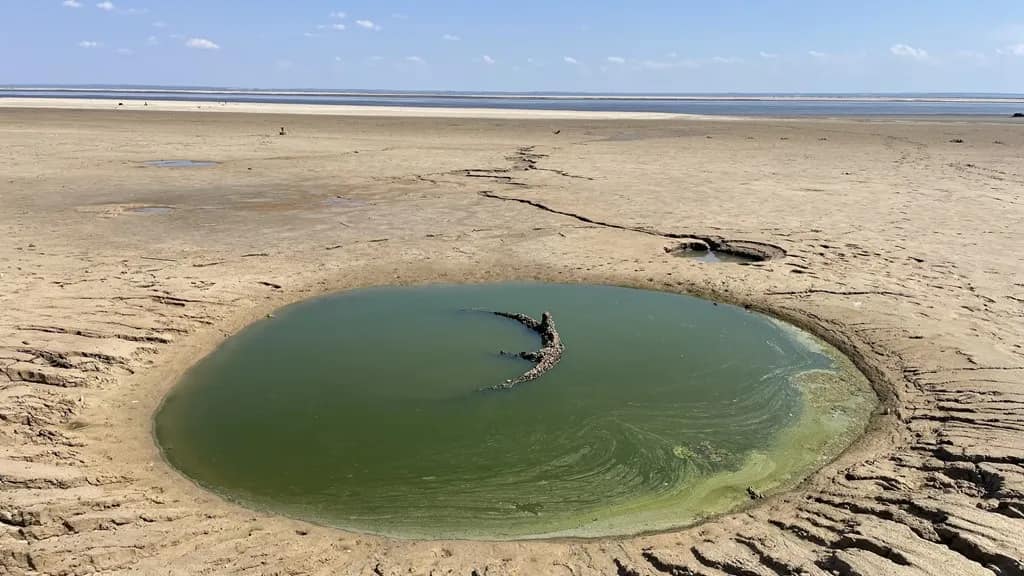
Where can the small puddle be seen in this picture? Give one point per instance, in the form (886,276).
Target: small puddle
(712,257)
(375,410)
(180,163)
(727,252)
(152,210)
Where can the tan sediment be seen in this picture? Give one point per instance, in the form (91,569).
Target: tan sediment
(900,247)
(323,109)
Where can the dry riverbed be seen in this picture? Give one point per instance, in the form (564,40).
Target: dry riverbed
(898,241)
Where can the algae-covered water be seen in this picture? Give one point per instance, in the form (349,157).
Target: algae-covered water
(364,410)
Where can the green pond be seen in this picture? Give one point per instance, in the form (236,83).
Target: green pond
(367,410)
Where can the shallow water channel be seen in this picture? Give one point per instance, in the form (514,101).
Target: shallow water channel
(366,410)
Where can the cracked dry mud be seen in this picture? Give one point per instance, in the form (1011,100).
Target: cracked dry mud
(900,248)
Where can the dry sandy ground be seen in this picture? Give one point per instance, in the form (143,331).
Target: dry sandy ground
(902,247)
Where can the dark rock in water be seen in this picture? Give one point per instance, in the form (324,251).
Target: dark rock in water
(754,494)
(546,358)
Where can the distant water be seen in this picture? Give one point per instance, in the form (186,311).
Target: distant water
(782,105)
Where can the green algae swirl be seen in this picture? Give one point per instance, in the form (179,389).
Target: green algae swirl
(364,410)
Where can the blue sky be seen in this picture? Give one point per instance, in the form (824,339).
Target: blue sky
(522,45)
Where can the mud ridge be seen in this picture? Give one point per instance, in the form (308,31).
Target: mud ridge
(750,249)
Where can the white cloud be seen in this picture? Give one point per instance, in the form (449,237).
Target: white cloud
(152,41)
(72,3)
(616,60)
(415,60)
(905,51)
(106,5)
(656,64)
(159,24)
(570,60)
(816,54)
(451,38)
(202,44)
(89,44)
(339,26)
(973,56)
(727,60)
(310,35)
(338,59)
(125,51)
(1012,50)
(338,15)
(668,64)
(487,59)
(768,55)
(368,24)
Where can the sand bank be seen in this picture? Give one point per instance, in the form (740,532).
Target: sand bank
(327,109)
(897,242)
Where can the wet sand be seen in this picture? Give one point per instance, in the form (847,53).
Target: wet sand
(890,239)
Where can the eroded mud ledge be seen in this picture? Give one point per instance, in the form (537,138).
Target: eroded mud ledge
(94,334)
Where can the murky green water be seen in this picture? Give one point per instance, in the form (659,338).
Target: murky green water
(363,410)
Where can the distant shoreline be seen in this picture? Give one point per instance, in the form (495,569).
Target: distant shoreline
(335,109)
(837,98)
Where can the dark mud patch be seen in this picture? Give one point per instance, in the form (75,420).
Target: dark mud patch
(180,163)
(151,210)
(719,251)
(343,202)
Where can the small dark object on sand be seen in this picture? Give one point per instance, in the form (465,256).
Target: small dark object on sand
(957,141)
(1018,114)
(557,132)
(120,103)
(282,132)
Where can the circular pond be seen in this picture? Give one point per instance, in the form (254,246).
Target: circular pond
(375,410)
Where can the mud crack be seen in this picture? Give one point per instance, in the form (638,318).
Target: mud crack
(759,251)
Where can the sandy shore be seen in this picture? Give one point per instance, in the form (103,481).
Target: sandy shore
(893,241)
(327,109)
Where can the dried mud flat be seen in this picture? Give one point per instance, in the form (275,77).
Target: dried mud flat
(887,238)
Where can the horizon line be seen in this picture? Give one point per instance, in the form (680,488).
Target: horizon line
(960,96)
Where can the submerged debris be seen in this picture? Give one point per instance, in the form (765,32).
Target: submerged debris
(545,359)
